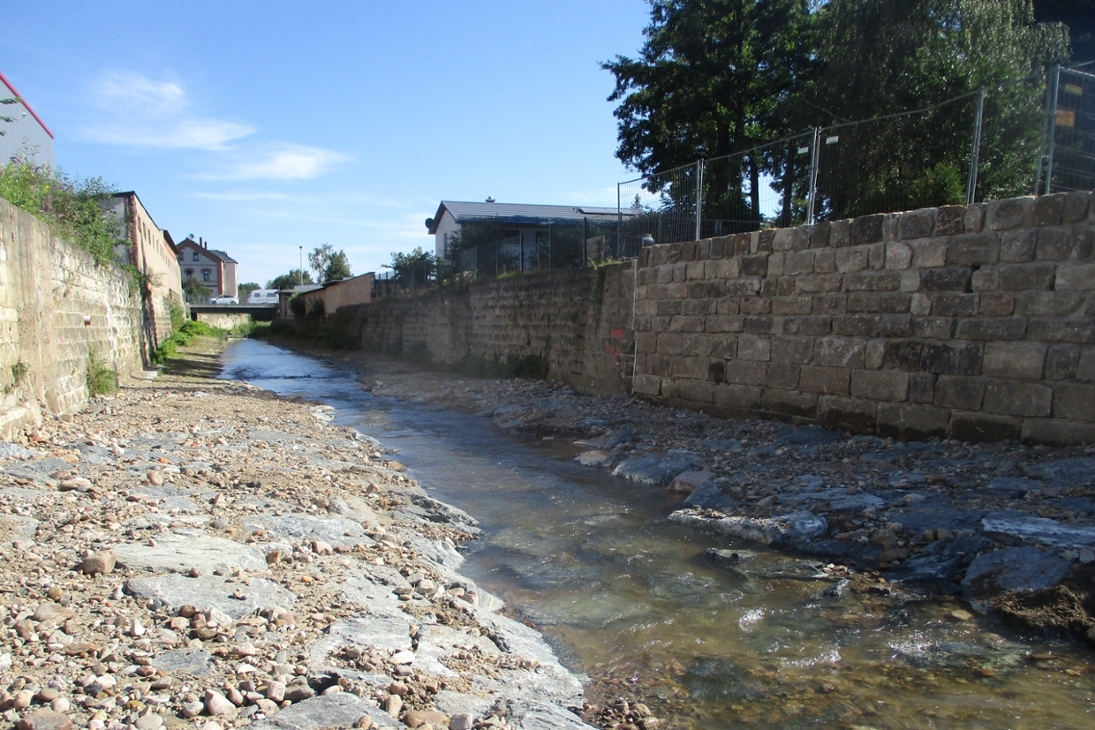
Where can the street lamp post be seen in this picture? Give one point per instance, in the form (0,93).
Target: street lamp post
(300,271)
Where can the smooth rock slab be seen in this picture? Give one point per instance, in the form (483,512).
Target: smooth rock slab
(14,451)
(791,530)
(381,632)
(178,552)
(341,709)
(331,529)
(211,591)
(16,527)
(655,469)
(191,661)
(1038,530)
(1013,569)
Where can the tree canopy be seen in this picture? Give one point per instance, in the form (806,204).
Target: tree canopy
(329,264)
(288,281)
(414,268)
(720,77)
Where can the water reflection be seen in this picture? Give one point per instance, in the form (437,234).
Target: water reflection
(768,641)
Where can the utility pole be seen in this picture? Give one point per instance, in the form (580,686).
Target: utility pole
(300,270)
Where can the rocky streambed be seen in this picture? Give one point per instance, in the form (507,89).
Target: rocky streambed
(1007,527)
(198,553)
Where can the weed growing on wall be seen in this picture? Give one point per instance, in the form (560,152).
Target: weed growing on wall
(71,206)
(101,379)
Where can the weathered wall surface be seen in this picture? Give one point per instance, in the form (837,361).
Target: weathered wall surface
(975,323)
(47,288)
(579,321)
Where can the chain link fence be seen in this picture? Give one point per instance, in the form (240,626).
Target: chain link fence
(1030,136)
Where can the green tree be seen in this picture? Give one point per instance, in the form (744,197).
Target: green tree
(288,281)
(881,57)
(195,291)
(329,264)
(713,78)
(244,290)
(414,269)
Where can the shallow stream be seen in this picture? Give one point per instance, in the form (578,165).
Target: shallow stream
(631,604)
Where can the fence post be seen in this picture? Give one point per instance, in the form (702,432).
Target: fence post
(811,193)
(1052,126)
(699,198)
(619,219)
(975,149)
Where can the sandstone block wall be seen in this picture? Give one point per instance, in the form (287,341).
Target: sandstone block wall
(974,323)
(47,289)
(578,320)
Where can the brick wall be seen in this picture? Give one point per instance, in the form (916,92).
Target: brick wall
(47,289)
(974,323)
(578,320)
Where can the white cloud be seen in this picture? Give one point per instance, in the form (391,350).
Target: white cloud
(288,162)
(136,111)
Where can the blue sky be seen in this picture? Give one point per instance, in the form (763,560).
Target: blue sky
(265,126)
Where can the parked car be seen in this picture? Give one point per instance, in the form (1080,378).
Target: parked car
(224,299)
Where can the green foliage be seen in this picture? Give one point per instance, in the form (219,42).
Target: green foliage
(100,378)
(297,305)
(183,336)
(19,372)
(941,185)
(329,265)
(290,280)
(71,206)
(415,269)
(195,291)
(178,317)
(244,290)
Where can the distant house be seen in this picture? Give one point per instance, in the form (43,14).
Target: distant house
(216,270)
(523,231)
(151,248)
(26,137)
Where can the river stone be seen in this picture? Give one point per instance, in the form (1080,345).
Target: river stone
(689,481)
(1013,569)
(656,469)
(856,503)
(598,458)
(332,529)
(44,720)
(172,497)
(790,530)
(14,451)
(609,440)
(1063,471)
(206,553)
(1037,530)
(1012,486)
(211,591)
(341,709)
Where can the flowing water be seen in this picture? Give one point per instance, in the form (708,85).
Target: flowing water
(630,603)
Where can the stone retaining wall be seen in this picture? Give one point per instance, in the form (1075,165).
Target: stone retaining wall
(975,323)
(578,320)
(57,309)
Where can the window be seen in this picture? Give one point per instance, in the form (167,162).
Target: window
(189,273)
(205,274)
(195,256)
(180,257)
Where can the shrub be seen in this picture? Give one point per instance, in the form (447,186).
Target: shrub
(71,206)
(100,378)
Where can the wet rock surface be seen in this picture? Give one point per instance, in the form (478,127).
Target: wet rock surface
(918,513)
(194,553)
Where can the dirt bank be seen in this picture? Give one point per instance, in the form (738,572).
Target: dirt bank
(198,553)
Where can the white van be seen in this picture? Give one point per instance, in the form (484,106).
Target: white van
(263,296)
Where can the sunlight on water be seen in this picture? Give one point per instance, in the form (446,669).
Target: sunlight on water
(629,601)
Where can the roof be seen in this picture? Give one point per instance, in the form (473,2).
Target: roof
(26,105)
(219,255)
(518,213)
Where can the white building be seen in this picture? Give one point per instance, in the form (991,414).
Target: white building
(26,137)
